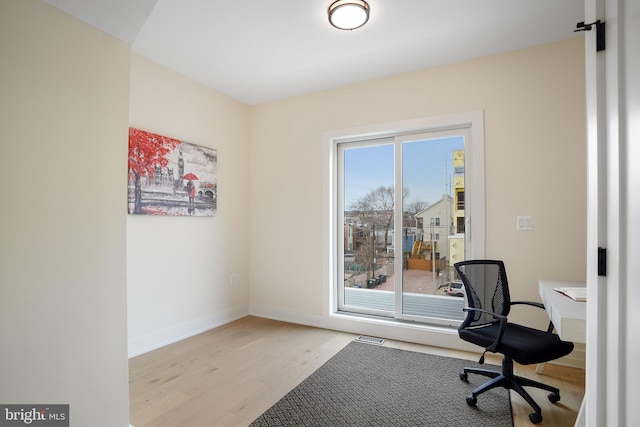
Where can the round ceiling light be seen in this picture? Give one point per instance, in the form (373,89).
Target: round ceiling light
(348,14)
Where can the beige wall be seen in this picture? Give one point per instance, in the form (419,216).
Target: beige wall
(63,114)
(533,102)
(179,268)
(70,256)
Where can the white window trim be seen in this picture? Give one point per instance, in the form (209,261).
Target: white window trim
(474,166)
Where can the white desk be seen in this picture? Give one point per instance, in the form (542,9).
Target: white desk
(569,317)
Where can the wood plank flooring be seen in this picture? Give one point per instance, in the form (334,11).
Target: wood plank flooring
(230,375)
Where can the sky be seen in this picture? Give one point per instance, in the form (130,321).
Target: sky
(427,169)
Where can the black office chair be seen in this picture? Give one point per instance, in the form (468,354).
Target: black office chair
(486,325)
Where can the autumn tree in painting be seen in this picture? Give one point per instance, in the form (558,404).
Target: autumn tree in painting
(146,152)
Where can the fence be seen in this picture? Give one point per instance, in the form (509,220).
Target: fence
(360,280)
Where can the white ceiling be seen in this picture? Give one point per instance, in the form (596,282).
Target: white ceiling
(262,50)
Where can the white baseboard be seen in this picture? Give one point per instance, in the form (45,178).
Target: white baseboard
(394,330)
(575,359)
(389,329)
(160,338)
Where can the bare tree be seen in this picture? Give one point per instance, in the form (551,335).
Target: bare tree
(412,209)
(415,207)
(376,209)
(364,254)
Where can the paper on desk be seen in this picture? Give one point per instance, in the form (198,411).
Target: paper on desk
(576,294)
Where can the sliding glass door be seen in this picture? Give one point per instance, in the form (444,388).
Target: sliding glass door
(401,204)
(432,177)
(368,216)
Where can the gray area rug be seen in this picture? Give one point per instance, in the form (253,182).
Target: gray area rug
(370,385)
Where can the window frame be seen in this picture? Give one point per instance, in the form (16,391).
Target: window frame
(474,167)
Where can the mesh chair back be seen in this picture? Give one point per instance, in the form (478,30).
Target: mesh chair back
(486,287)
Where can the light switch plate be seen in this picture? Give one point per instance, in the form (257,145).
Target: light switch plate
(524,223)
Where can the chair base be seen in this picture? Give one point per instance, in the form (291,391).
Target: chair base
(508,380)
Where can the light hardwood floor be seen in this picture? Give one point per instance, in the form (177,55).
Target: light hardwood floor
(230,375)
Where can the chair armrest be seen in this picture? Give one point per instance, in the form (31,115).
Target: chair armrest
(531,303)
(502,325)
(535,304)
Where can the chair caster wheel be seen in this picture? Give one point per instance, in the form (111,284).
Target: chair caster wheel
(471,400)
(464,377)
(554,397)
(535,418)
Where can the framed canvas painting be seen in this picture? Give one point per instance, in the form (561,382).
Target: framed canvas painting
(170,177)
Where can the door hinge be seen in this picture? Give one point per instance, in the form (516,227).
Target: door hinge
(600,34)
(602,261)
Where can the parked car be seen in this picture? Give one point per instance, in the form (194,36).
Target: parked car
(456,289)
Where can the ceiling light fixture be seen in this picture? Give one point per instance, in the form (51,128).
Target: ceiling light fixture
(348,14)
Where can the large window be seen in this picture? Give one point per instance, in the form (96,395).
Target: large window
(398,217)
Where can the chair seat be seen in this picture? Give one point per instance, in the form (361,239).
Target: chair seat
(523,344)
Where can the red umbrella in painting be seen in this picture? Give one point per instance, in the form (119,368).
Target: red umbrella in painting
(191,191)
